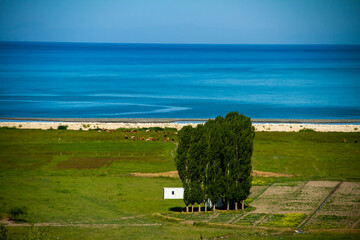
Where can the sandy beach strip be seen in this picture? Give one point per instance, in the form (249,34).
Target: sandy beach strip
(317,126)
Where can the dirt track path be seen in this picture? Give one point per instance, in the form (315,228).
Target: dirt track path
(114,225)
(355,223)
(11,223)
(174,174)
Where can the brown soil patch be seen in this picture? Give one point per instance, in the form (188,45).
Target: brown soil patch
(344,202)
(174,174)
(6,221)
(298,197)
(85,163)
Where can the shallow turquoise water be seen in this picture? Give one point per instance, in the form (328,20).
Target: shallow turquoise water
(174,81)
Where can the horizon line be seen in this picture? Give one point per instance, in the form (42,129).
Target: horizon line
(159,43)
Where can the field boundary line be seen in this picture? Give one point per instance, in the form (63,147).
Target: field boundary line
(247,227)
(355,223)
(241,217)
(213,216)
(262,192)
(307,219)
(90,225)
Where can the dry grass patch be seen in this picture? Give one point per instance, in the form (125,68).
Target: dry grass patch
(295,197)
(344,202)
(342,210)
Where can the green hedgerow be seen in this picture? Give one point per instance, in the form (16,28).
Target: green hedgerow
(62,127)
(306,130)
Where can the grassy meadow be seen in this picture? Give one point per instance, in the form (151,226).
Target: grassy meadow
(81,179)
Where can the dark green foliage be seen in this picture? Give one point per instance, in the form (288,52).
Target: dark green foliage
(17,213)
(196,192)
(214,159)
(62,127)
(182,161)
(170,129)
(3,233)
(156,128)
(306,130)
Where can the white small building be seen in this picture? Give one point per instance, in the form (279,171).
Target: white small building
(173,193)
(178,193)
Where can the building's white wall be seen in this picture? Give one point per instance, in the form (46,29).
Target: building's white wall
(173,193)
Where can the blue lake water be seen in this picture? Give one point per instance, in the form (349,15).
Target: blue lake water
(178,80)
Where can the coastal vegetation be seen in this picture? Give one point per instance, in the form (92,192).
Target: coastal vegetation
(83,185)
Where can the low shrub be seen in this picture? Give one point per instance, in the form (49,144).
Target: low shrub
(18,213)
(62,127)
(156,129)
(306,130)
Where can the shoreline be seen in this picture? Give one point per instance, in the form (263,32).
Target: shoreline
(174,120)
(259,127)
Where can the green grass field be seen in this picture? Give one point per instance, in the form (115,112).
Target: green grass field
(83,180)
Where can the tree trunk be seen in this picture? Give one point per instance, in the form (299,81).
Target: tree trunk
(199,210)
(192,207)
(214,208)
(228,206)
(243,204)
(205,205)
(236,206)
(187,208)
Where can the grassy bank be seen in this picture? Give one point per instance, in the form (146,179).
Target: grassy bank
(81,177)
(307,155)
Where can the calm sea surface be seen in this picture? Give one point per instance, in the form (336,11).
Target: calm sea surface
(179,81)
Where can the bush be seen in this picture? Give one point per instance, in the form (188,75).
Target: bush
(36,233)
(95,129)
(62,127)
(156,128)
(17,213)
(3,233)
(306,130)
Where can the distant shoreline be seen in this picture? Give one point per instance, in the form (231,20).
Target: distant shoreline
(175,120)
(260,125)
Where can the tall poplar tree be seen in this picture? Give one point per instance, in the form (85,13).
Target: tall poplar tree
(214,171)
(182,162)
(244,134)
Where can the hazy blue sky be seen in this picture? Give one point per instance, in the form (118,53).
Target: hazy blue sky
(182,21)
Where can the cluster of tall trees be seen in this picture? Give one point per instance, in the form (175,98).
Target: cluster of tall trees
(214,161)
